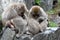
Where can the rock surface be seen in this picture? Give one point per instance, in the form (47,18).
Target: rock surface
(5,3)
(49,34)
(1,8)
(8,34)
(29,3)
(47,4)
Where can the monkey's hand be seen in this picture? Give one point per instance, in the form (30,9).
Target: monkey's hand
(10,24)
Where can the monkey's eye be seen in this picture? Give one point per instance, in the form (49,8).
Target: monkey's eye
(35,15)
(22,15)
(40,20)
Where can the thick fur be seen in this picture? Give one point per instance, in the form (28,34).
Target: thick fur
(37,13)
(14,10)
(34,27)
(20,25)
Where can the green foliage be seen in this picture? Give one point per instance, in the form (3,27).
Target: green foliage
(59,1)
(52,11)
(52,24)
(37,2)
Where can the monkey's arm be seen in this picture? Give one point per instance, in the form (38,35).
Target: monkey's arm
(7,15)
(44,13)
(43,23)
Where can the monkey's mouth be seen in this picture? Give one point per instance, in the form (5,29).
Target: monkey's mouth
(22,15)
(35,15)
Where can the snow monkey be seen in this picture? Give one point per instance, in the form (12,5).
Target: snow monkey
(37,13)
(14,10)
(34,27)
(20,24)
(17,24)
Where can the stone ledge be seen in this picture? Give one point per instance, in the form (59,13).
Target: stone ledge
(49,34)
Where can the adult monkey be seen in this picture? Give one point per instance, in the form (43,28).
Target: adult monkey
(14,10)
(37,13)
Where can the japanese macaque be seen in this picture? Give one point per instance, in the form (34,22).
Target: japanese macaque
(37,13)
(20,24)
(17,24)
(34,27)
(10,17)
(14,10)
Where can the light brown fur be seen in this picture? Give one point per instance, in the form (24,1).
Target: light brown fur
(14,10)
(38,14)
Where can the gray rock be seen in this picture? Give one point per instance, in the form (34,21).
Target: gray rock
(48,34)
(8,34)
(51,34)
(57,20)
(23,37)
(5,3)
(46,4)
(57,32)
(29,3)
(1,8)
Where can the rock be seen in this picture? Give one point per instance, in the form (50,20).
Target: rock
(46,4)
(50,34)
(29,3)
(23,37)
(57,20)
(8,34)
(1,8)
(57,32)
(5,3)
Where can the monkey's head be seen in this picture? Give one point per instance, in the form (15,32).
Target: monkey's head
(19,8)
(35,12)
